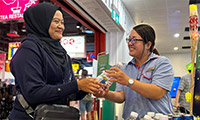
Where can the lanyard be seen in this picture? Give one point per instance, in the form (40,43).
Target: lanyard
(138,78)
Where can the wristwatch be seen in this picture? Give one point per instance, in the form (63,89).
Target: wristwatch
(130,82)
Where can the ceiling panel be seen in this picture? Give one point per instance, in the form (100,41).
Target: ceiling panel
(155,4)
(177,3)
(181,11)
(167,18)
(136,5)
(159,20)
(157,12)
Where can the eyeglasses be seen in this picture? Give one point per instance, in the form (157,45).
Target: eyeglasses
(133,40)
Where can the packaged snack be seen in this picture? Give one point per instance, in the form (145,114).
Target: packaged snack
(102,78)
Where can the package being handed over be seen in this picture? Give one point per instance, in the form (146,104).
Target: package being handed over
(102,78)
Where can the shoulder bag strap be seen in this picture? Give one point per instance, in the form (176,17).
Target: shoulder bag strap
(25,105)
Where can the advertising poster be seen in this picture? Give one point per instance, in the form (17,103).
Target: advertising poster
(14,9)
(74,45)
(103,63)
(12,48)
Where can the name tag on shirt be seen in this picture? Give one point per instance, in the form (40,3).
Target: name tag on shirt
(150,69)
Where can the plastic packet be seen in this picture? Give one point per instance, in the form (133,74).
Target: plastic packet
(102,78)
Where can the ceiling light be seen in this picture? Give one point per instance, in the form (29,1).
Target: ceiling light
(23,27)
(89,31)
(13,30)
(77,26)
(175,48)
(176,35)
(23,30)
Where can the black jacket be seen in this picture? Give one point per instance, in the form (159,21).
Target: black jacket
(39,79)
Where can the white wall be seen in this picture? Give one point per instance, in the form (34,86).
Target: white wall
(179,62)
(116,45)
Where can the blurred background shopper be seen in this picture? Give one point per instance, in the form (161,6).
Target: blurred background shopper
(86,102)
(184,87)
(143,84)
(41,67)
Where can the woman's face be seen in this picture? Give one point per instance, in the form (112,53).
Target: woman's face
(57,26)
(136,48)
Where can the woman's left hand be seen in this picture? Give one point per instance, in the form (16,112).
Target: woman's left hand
(102,92)
(90,85)
(116,75)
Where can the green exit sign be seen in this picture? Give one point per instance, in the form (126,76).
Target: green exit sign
(115,16)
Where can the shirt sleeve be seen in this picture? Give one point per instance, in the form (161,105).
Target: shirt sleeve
(163,74)
(119,87)
(182,84)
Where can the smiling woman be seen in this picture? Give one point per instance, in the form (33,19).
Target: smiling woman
(145,80)
(41,67)
(57,26)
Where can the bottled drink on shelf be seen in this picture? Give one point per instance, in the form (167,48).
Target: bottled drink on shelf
(188,117)
(163,117)
(151,114)
(133,116)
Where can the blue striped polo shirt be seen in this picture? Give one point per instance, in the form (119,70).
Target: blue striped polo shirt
(156,70)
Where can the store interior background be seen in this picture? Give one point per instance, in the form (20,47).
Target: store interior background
(168,17)
(72,28)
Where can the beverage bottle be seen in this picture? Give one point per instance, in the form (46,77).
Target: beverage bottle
(147,117)
(133,116)
(188,117)
(151,114)
(157,116)
(163,117)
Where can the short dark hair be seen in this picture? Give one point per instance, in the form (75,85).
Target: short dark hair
(84,72)
(147,33)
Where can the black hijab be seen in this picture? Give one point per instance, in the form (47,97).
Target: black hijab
(38,19)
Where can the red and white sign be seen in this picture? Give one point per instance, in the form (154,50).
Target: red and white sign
(74,45)
(14,9)
(2,65)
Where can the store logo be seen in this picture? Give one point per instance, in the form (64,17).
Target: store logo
(66,41)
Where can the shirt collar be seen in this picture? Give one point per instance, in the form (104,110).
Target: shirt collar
(151,57)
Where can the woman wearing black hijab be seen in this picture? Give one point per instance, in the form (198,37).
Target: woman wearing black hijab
(41,67)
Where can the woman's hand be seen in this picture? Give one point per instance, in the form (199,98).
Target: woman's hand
(116,75)
(102,92)
(90,85)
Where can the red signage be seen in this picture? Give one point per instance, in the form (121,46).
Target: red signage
(90,56)
(2,65)
(14,9)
